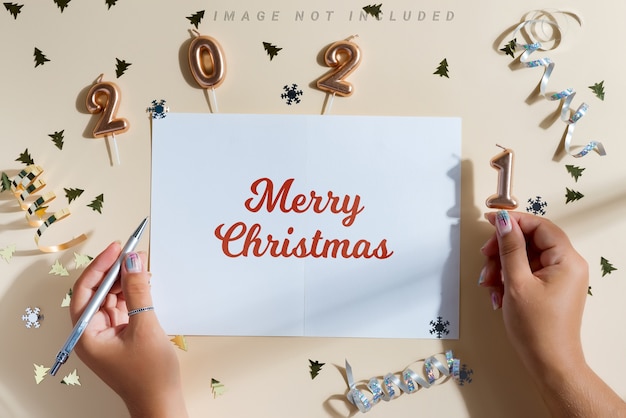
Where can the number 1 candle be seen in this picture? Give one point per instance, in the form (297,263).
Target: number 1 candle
(503,162)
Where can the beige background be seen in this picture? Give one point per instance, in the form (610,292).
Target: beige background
(269,376)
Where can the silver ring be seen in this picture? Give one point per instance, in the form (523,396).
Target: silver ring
(140,310)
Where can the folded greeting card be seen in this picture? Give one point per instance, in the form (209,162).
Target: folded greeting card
(304,225)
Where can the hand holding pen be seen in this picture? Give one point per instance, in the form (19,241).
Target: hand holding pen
(130,353)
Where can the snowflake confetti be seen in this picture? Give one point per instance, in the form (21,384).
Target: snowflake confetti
(291,94)
(465,375)
(158,109)
(439,327)
(536,206)
(32,317)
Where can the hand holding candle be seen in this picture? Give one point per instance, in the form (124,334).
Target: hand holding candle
(104,97)
(205,50)
(343,57)
(503,162)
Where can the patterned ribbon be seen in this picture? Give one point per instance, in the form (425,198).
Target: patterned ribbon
(409,382)
(565,96)
(24,185)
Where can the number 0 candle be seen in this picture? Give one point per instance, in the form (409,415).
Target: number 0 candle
(503,162)
(205,50)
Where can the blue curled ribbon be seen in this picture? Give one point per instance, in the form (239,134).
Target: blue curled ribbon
(409,382)
(566,96)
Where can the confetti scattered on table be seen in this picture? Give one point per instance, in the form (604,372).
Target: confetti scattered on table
(82,260)
(25,158)
(180,341)
(509,49)
(536,206)
(5,184)
(40,58)
(572,195)
(62,4)
(439,327)
(442,70)
(32,318)
(120,67)
(217,388)
(71,379)
(607,267)
(72,194)
(315,368)
(67,299)
(40,372)
(589,291)
(110,3)
(14,8)
(373,10)
(57,139)
(574,171)
(291,94)
(196,18)
(598,89)
(58,269)
(465,375)
(96,204)
(157,109)
(7,252)
(272,50)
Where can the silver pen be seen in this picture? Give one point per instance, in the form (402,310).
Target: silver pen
(97,299)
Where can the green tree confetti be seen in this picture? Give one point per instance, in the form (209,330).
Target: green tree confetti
(589,291)
(373,10)
(14,8)
(62,4)
(598,89)
(40,58)
(57,138)
(509,49)
(72,194)
(25,158)
(217,387)
(607,267)
(6,182)
(575,171)
(110,3)
(120,67)
(315,367)
(97,203)
(196,18)
(272,50)
(442,70)
(572,195)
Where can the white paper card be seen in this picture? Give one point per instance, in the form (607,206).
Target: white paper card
(303,225)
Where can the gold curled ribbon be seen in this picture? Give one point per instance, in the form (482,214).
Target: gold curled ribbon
(409,382)
(63,213)
(25,184)
(565,96)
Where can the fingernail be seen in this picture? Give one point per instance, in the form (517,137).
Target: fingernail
(496,301)
(503,223)
(133,263)
(481,278)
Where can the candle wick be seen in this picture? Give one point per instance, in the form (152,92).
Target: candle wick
(100,77)
(356,35)
(500,146)
(195,32)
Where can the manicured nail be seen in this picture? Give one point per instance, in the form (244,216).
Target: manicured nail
(496,301)
(481,278)
(133,263)
(503,223)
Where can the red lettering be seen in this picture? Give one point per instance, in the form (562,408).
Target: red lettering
(263,189)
